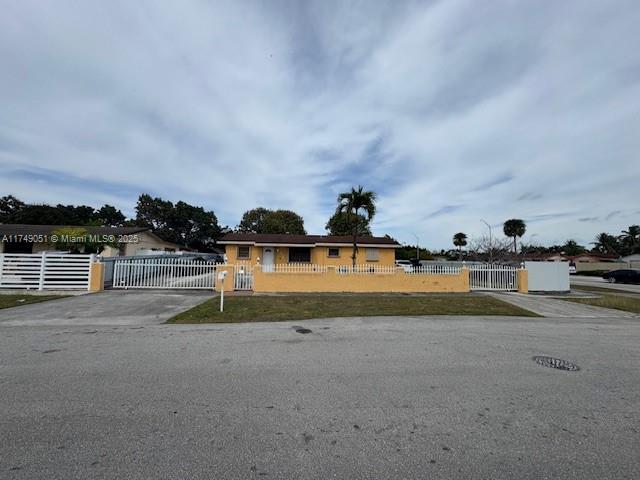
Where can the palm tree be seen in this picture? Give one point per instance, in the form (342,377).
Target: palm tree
(631,237)
(606,243)
(460,240)
(514,228)
(352,202)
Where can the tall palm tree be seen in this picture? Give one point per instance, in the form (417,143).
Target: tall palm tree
(460,240)
(514,228)
(352,202)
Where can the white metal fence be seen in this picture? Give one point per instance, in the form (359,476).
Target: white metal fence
(493,277)
(294,268)
(362,269)
(435,269)
(45,271)
(170,272)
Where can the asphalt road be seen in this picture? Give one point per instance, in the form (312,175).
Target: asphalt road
(600,282)
(438,398)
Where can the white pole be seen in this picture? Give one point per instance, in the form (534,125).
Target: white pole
(222,296)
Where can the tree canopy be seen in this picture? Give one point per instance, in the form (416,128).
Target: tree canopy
(341,223)
(13,210)
(181,223)
(263,220)
(514,228)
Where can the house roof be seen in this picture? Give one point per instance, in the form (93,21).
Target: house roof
(19,229)
(305,240)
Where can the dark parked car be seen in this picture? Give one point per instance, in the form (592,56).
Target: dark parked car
(626,275)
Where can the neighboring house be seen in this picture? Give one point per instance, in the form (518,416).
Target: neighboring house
(635,258)
(316,249)
(37,238)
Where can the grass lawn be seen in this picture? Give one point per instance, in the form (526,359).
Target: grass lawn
(260,308)
(14,300)
(627,303)
(589,288)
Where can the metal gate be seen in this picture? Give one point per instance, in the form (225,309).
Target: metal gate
(243,277)
(493,277)
(169,272)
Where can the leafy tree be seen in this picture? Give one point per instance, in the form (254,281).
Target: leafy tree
(460,240)
(408,252)
(284,221)
(9,207)
(183,223)
(110,216)
(40,215)
(193,226)
(514,228)
(153,213)
(341,223)
(352,202)
(263,220)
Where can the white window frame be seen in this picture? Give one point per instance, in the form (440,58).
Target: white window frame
(329,252)
(248,256)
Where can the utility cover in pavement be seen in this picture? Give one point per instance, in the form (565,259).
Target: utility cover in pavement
(556,363)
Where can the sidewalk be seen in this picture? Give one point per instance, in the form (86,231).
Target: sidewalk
(554,307)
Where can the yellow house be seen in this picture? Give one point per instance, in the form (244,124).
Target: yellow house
(269,249)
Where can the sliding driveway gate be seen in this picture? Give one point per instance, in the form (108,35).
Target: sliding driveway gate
(182,272)
(164,272)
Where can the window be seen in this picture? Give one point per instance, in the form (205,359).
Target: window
(372,254)
(299,255)
(333,252)
(244,251)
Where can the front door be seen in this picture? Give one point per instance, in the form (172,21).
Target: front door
(268,258)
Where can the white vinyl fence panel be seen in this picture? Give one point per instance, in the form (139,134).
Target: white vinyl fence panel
(45,271)
(172,272)
(493,277)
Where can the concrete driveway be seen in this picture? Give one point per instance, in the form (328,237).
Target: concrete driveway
(111,307)
(361,398)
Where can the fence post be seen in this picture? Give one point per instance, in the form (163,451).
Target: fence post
(1,267)
(92,260)
(523,280)
(43,261)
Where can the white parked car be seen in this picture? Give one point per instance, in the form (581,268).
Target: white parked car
(405,264)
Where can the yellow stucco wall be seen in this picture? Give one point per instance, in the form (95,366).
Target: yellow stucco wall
(319,255)
(96,283)
(358,283)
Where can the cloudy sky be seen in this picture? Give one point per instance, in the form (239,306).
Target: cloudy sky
(452,111)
